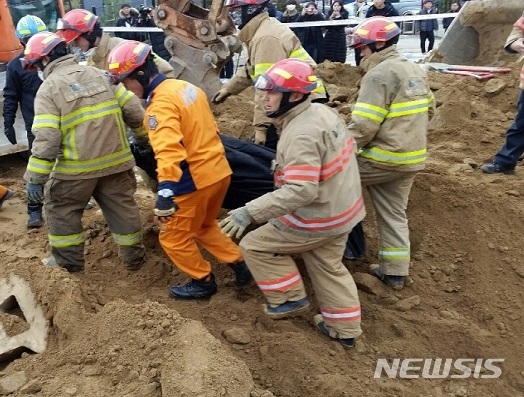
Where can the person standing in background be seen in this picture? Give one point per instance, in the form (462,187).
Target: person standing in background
(335,47)
(454,8)
(427,27)
(311,37)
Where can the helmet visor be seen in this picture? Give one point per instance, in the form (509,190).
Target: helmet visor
(28,64)
(265,83)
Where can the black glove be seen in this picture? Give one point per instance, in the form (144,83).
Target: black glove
(10,133)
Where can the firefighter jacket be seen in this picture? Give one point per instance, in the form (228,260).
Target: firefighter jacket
(316,175)
(516,33)
(79,124)
(268,41)
(390,118)
(184,137)
(100,53)
(20,87)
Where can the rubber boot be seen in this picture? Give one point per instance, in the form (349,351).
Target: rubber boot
(242,274)
(35,215)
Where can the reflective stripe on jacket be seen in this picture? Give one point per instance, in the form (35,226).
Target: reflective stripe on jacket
(391,115)
(316,175)
(99,56)
(517,33)
(79,124)
(268,41)
(184,137)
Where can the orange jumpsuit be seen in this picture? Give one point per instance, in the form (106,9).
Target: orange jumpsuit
(191,161)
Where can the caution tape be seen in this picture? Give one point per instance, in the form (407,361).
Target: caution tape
(340,22)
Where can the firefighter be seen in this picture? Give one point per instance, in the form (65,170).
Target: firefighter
(389,123)
(267,41)
(193,173)
(506,159)
(5,194)
(317,202)
(81,151)
(83,27)
(20,88)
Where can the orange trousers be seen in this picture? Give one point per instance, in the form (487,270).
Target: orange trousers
(195,222)
(3,191)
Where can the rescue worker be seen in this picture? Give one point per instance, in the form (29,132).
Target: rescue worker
(506,159)
(20,88)
(80,150)
(193,173)
(83,27)
(5,194)
(389,123)
(267,42)
(317,202)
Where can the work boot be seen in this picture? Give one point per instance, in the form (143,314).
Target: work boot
(195,289)
(7,196)
(35,215)
(495,168)
(287,309)
(242,274)
(348,343)
(51,262)
(395,282)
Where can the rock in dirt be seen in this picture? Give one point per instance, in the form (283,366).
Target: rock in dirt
(369,284)
(237,335)
(32,387)
(11,383)
(514,193)
(494,87)
(408,303)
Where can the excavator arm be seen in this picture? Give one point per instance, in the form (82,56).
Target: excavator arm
(200,41)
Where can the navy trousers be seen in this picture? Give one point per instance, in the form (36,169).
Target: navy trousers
(514,143)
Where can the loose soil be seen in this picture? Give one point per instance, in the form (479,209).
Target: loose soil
(112,331)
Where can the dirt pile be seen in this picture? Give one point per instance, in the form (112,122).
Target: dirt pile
(116,333)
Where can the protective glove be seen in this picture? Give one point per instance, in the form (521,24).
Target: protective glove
(236,222)
(35,192)
(260,135)
(10,133)
(220,96)
(165,205)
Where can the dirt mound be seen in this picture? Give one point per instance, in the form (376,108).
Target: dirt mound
(116,333)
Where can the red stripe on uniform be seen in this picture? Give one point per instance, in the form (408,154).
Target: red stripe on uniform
(296,222)
(339,315)
(280,284)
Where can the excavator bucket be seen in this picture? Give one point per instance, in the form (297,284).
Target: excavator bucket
(477,35)
(200,41)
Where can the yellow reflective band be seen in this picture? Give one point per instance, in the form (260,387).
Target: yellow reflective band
(127,239)
(100,163)
(113,65)
(391,26)
(394,253)
(40,166)
(24,32)
(48,39)
(40,29)
(46,121)
(301,54)
(66,241)
(371,112)
(260,68)
(89,113)
(122,96)
(122,131)
(139,131)
(385,156)
(282,73)
(408,108)
(68,142)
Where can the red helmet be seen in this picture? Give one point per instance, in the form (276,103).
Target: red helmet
(39,46)
(288,75)
(373,30)
(241,3)
(126,57)
(75,23)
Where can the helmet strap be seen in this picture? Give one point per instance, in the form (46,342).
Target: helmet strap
(286,105)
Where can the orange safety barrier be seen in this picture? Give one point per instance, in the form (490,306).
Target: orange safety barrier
(9,45)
